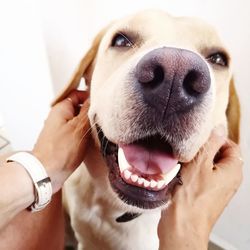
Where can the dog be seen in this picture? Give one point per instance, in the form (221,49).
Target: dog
(158,85)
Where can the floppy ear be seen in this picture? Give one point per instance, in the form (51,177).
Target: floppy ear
(84,69)
(233,114)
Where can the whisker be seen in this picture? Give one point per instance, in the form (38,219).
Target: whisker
(88,131)
(106,146)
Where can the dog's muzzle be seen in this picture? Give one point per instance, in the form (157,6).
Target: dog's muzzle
(169,86)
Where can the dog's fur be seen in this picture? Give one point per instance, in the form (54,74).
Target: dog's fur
(90,201)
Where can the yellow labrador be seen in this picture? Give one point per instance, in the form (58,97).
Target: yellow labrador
(158,85)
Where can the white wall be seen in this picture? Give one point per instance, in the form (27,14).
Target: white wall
(68,27)
(25,84)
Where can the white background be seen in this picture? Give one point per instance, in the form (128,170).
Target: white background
(42,42)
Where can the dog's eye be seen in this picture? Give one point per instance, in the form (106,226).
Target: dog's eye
(121,40)
(218,59)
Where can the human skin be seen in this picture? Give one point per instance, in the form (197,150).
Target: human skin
(186,224)
(207,189)
(60,148)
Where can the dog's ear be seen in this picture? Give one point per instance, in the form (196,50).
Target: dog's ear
(84,68)
(233,114)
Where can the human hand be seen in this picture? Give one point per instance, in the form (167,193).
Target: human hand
(62,142)
(209,183)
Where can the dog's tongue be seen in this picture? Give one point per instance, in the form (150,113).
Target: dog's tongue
(148,161)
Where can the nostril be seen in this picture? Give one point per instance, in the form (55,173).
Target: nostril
(152,77)
(188,83)
(158,75)
(195,83)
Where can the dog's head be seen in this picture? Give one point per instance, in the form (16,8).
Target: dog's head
(158,86)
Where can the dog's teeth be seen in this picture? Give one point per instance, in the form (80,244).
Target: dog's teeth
(160,184)
(146,183)
(170,175)
(153,184)
(140,181)
(122,162)
(127,174)
(134,177)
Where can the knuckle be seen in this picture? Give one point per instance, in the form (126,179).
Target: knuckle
(238,178)
(241,174)
(237,149)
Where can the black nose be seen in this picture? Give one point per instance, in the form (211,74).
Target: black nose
(173,79)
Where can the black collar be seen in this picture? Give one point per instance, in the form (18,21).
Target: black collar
(127,217)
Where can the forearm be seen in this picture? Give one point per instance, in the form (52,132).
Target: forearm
(17,190)
(17,193)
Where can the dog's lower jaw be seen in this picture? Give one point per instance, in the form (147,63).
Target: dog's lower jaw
(98,172)
(93,218)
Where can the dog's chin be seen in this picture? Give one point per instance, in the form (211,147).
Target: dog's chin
(131,193)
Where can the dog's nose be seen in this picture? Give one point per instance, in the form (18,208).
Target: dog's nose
(173,79)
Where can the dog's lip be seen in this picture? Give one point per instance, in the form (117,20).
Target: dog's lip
(130,194)
(137,196)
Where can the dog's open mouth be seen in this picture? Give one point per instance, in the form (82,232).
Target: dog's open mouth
(142,173)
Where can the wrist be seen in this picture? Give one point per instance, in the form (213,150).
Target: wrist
(183,239)
(51,169)
(39,177)
(24,191)
(193,238)
(180,230)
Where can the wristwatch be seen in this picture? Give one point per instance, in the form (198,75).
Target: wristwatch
(37,172)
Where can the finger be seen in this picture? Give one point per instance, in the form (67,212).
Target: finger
(214,143)
(69,107)
(82,119)
(229,166)
(82,123)
(84,109)
(77,97)
(230,155)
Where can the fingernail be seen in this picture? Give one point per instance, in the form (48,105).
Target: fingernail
(220,130)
